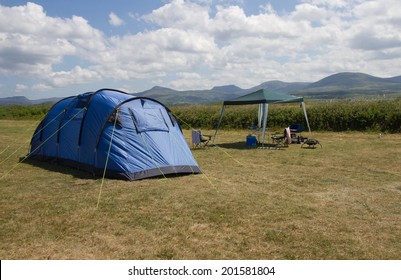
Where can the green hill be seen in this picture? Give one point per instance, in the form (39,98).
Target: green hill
(349,85)
(346,85)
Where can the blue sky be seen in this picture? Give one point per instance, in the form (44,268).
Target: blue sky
(60,48)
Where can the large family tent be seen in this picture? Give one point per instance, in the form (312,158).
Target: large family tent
(263,97)
(135,137)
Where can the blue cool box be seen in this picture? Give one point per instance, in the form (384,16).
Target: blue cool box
(251,140)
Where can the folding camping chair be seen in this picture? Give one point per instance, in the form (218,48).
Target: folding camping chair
(296,130)
(199,139)
(282,140)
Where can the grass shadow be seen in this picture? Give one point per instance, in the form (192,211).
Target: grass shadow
(55,167)
(242,146)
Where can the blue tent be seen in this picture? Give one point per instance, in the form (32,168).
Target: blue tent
(135,137)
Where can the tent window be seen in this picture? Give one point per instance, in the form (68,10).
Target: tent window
(149,119)
(146,104)
(75,114)
(78,108)
(112,119)
(83,101)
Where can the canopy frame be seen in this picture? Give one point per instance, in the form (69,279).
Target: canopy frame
(263,98)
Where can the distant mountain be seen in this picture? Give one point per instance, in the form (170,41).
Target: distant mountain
(15,100)
(279,86)
(23,101)
(228,89)
(216,94)
(346,81)
(395,79)
(51,100)
(157,91)
(348,85)
(337,86)
(170,96)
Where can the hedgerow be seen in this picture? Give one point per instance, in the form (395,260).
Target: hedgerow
(26,112)
(367,115)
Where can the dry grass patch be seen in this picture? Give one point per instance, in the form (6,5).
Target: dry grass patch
(339,202)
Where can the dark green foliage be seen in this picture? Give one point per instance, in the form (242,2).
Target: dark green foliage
(369,115)
(26,112)
(357,115)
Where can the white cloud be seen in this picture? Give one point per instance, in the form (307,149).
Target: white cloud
(377,27)
(114,20)
(180,14)
(194,45)
(31,43)
(62,79)
(41,87)
(167,50)
(20,87)
(309,12)
(191,80)
(330,3)
(76,76)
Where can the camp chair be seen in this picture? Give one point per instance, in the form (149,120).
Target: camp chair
(282,140)
(296,130)
(199,139)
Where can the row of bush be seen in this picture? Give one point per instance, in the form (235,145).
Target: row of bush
(383,115)
(19,112)
(369,115)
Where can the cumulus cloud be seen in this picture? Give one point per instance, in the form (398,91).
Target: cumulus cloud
(77,75)
(31,42)
(318,38)
(20,87)
(378,27)
(193,44)
(41,87)
(61,79)
(191,80)
(115,20)
(180,14)
(330,3)
(164,50)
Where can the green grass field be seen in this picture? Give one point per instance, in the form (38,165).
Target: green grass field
(338,202)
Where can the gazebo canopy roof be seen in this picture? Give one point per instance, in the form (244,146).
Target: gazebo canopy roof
(263,96)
